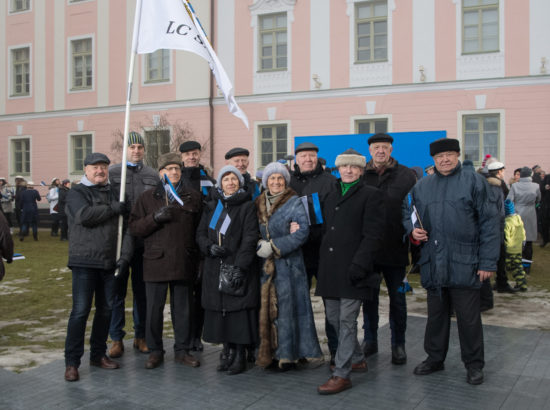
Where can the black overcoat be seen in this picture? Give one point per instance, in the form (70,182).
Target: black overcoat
(353,230)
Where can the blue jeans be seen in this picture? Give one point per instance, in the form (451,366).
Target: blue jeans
(87,283)
(139,312)
(393,276)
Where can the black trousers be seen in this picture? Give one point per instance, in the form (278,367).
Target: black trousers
(181,299)
(501,277)
(468,317)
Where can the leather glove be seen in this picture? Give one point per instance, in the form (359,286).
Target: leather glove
(120,208)
(357,276)
(163,215)
(238,278)
(122,266)
(264,249)
(217,251)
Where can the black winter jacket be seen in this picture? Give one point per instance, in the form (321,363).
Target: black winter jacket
(460,215)
(353,232)
(395,183)
(240,240)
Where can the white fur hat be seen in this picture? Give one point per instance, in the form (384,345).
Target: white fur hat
(351,157)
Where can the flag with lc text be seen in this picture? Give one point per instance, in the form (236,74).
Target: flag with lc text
(173,24)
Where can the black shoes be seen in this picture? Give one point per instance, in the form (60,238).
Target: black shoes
(474,376)
(506,289)
(369,348)
(398,354)
(239,363)
(426,368)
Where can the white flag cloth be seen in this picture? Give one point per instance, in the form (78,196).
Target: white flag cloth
(172,24)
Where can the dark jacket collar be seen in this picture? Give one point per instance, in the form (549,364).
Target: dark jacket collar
(309,174)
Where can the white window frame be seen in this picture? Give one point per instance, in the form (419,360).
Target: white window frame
(462,31)
(356,35)
(257,137)
(370,117)
(71,2)
(12,11)
(70,62)
(502,129)
(11,157)
(10,95)
(72,170)
(147,83)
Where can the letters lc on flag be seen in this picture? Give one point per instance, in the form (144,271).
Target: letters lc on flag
(172,24)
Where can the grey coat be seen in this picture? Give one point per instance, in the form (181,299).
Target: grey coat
(526,194)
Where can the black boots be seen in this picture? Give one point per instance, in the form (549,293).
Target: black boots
(224,358)
(239,362)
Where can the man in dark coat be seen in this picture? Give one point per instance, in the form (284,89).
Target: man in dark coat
(167,218)
(238,157)
(28,197)
(194,174)
(545,210)
(395,181)
(354,224)
(310,180)
(63,191)
(6,244)
(139,178)
(454,215)
(92,211)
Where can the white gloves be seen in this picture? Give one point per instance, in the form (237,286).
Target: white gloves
(264,249)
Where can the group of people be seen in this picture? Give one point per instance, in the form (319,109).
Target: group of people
(238,257)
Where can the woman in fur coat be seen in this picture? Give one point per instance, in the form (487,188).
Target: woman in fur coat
(228,232)
(287,328)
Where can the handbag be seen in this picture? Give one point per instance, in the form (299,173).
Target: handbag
(228,276)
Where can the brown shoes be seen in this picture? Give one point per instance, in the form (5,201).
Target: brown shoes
(71,374)
(141,345)
(154,360)
(187,360)
(360,367)
(334,385)
(105,363)
(117,349)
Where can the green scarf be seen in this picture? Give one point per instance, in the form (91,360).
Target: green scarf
(346,186)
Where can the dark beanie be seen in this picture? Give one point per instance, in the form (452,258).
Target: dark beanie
(444,145)
(525,172)
(234,152)
(509,208)
(189,146)
(380,137)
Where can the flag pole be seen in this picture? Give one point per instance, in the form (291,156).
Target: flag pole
(125,135)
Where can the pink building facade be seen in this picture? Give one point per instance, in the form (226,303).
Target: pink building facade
(299,67)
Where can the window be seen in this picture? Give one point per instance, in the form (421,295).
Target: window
(20,59)
(371,126)
(480,26)
(481,136)
(273,143)
(273,42)
(371,35)
(20,5)
(81,146)
(157,66)
(157,143)
(21,156)
(81,51)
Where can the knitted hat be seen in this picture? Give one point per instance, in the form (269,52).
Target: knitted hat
(380,137)
(509,208)
(226,170)
(350,157)
(484,162)
(525,172)
(233,152)
(444,145)
(135,138)
(275,168)
(190,146)
(167,159)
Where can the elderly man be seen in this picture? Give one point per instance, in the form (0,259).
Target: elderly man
(454,215)
(92,212)
(354,222)
(395,181)
(139,178)
(238,157)
(167,218)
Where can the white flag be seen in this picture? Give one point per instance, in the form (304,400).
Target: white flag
(171,24)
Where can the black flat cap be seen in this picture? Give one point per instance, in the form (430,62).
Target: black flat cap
(189,146)
(444,145)
(96,158)
(233,152)
(380,137)
(306,146)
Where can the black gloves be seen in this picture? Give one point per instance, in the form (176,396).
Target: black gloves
(164,214)
(217,251)
(238,278)
(357,276)
(120,208)
(122,265)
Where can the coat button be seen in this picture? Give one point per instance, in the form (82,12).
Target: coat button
(330,249)
(332,228)
(337,208)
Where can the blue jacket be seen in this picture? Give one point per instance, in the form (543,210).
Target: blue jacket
(460,215)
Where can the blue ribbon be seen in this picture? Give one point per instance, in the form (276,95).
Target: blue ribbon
(256,192)
(317,207)
(216,216)
(204,189)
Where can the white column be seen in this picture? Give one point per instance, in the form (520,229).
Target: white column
(225,37)
(102,65)
(320,43)
(539,33)
(3,78)
(60,46)
(38,57)
(423,40)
